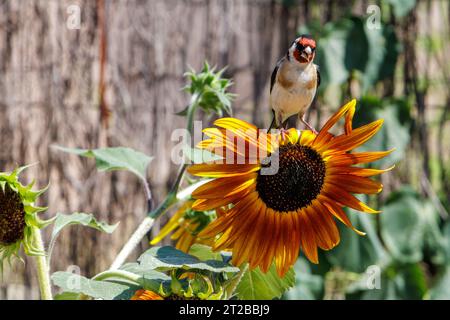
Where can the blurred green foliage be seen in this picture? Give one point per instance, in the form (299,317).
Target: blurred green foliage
(350,46)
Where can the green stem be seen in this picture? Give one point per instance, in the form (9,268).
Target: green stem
(195,99)
(42,267)
(171,197)
(132,243)
(235,282)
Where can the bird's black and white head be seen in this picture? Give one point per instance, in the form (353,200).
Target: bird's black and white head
(303,50)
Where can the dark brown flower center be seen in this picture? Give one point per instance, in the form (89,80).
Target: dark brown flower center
(298,181)
(12,216)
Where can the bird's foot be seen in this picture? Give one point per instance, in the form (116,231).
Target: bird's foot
(283,133)
(310,127)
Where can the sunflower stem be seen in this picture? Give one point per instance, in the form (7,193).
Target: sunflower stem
(42,267)
(148,193)
(133,242)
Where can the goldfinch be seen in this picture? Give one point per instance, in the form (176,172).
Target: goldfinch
(294,83)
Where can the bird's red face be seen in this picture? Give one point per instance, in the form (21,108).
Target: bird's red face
(304,49)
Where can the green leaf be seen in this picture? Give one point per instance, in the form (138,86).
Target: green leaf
(72,284)
(331,53)
(382,50)
(167,258)
(399,282)
(354,252)
(391,50)
(67,296)
(441,289)
(402,7)
(356,46)
(410,228)
(256,285)
(151,279)
(347,45)
(446,236)
(434,242)
(395,130)
(139,269)
(308,286)
(204,252)
(183,112)
(120,158)
(401,229)
(88,220)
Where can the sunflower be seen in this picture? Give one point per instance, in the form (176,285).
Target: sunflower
(142,294)
(185,225)
(270,217)
(18,217)
(184,285)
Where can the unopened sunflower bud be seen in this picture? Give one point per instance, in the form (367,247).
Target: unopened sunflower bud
(12,216)
(18,216)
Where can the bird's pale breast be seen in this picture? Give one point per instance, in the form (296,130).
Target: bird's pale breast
(294,91)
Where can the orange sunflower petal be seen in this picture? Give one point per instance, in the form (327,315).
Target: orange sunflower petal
(146,295)
(222,170)
(348,159)
(337,211)
(241,129)
(308,242)
(173,223)
(225,187)
(218,225)
(267,257)
(248,242)
(335,118)
(229,123)
(356,138)
(343,197)
(361,172)
(326,230)
(349,119)
(355,184)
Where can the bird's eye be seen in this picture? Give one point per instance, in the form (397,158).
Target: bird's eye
(299,47)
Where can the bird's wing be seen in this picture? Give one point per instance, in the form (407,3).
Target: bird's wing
(272,124)
(274,74)
(318,76)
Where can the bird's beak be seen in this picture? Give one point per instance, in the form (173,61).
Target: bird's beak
(308,50)
(307,54)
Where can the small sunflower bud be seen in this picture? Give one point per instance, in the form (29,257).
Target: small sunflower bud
(12,216)
(18,216)
(191,287)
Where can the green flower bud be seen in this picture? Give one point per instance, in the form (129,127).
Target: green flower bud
(18,217)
